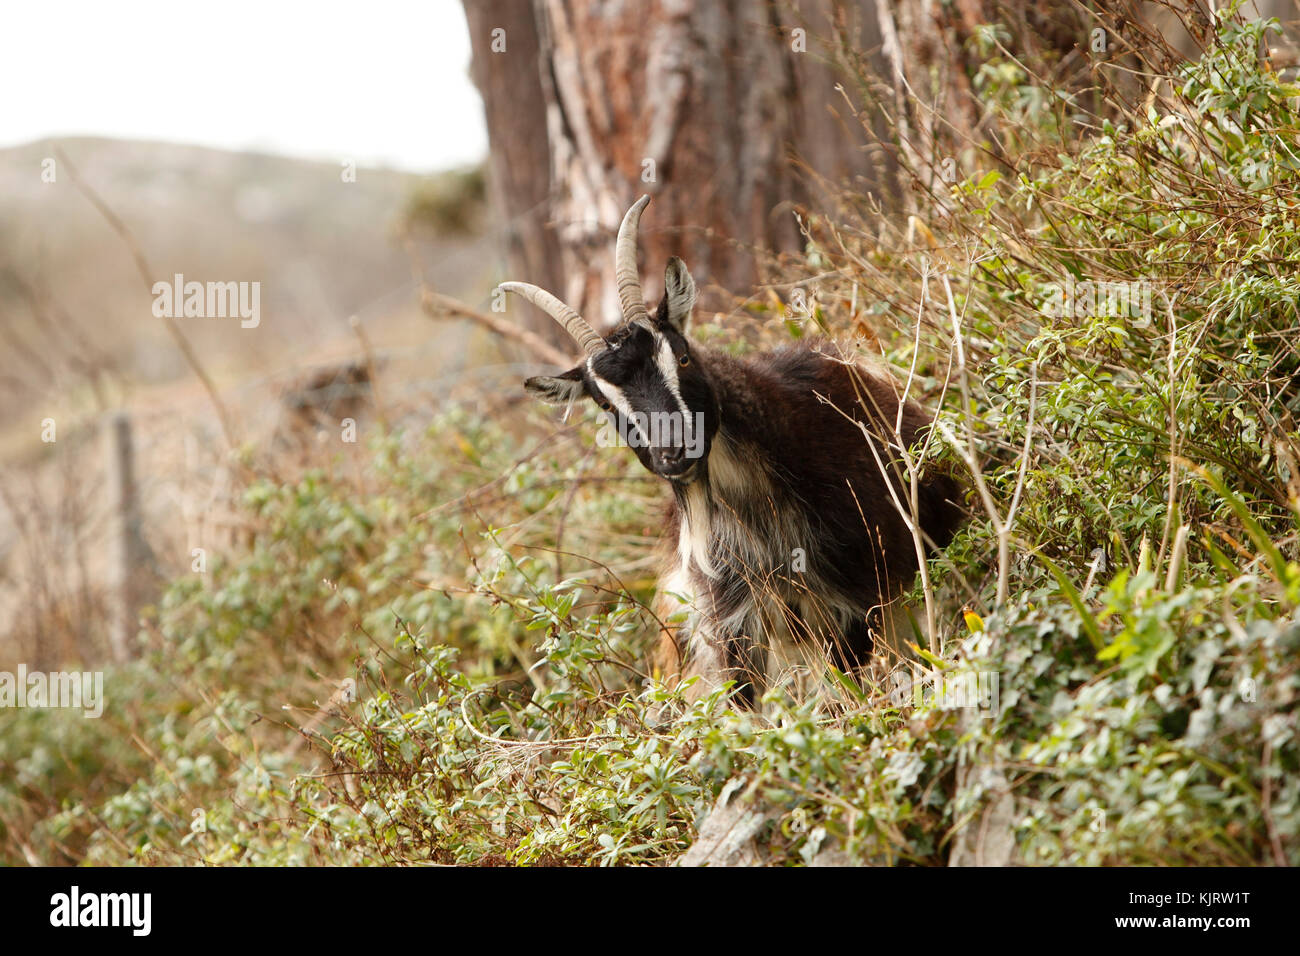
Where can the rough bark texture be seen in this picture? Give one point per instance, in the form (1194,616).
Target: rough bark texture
(931,58)
(731,119)
(717,108)
(519,157)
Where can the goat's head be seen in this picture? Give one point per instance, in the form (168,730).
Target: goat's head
(644,374)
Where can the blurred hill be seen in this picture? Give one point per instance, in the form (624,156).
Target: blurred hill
(75,312)
(78,339)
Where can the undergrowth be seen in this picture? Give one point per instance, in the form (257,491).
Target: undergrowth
(445,663)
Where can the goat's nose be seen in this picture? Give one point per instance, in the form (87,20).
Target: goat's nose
(672,455)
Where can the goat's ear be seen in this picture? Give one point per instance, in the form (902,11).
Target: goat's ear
(679,295)
(557,389)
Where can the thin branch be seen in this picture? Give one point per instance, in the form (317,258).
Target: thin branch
(142,265)
(439,306)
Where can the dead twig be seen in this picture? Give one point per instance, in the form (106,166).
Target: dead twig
(437,306)
(142,265)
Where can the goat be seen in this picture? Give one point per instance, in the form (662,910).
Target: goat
(786,535)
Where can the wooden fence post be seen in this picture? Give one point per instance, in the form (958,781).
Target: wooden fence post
(127,550)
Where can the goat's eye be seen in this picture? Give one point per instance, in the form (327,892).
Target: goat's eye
(604,405)
(684,361)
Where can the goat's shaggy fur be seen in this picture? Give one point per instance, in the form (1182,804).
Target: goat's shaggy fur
(792,524)
(789,539)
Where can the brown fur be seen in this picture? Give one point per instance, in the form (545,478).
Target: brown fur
(790,420)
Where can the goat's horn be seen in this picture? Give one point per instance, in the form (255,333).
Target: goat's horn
(567,316)
(625,270)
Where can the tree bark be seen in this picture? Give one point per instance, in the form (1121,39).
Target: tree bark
(720,109)
(731,118)
(506,68)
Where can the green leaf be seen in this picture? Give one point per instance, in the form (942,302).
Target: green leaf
(1086,617)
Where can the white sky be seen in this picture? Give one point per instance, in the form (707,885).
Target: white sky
(375,81)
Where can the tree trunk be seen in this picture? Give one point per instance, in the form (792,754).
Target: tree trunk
(727,112)
(506,68)
(724,110)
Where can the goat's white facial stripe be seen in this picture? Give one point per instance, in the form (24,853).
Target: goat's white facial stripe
(666,361)
(615,396)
